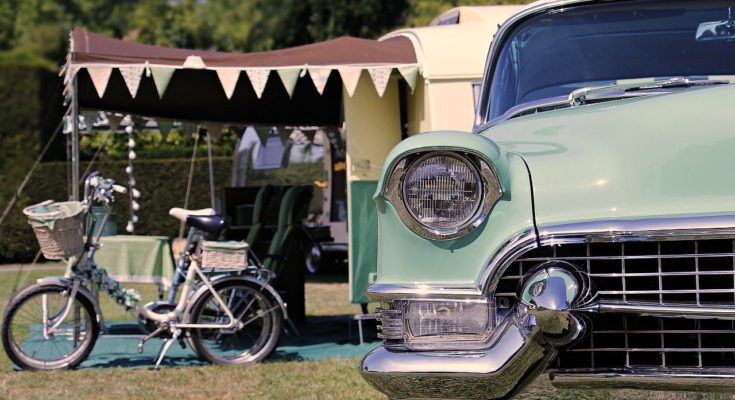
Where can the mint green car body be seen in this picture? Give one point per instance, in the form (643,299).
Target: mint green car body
(405,258)
(608,259)
(661,155)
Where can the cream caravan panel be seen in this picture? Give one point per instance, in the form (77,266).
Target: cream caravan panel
(457,51)
(417,109)
(452,57)
(373,127)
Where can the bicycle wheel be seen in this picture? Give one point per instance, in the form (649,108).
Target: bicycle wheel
(254,338)
(31,346)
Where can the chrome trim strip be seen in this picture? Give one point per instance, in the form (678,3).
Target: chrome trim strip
(654,349)
(512,249)
(383,292)
(637,257)
(490,184)
(700,380)
(720,226)
(651,229)
(391,324)
(662,310)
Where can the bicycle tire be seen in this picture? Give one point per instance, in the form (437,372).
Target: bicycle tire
(251,343)
(22,336)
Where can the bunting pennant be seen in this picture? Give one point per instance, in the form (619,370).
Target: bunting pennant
(289,77)
(71,72)
(194,62)
(67,90)
(298,137)
(263,133)
(164,127)
(100,78)
(258,78)
(89,119)
(380,77)
(284,134)
(350,77)
(132,77)
(320,77)
(114,121)
(228,78)
(161,77)
(310,135)
(410,73)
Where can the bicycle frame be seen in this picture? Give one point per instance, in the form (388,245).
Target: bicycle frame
(193,271)
(175,320)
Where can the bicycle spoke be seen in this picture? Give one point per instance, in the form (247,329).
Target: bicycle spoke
(245,343)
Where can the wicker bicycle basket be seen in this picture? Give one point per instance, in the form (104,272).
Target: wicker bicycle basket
(224,254)
(58,228)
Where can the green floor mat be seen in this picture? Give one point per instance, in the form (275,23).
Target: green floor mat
(321,337)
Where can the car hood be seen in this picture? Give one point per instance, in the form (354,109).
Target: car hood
(654,156)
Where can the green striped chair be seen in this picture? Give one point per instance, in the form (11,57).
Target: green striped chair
(262,200)
(294,208)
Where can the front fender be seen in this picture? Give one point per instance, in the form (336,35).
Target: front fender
(406,259)
(216,281)
(448,140)
(82,291)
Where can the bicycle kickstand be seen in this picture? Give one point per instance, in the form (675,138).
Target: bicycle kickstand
(175,333)
(150,336)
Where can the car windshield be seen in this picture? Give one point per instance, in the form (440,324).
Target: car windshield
(552,54)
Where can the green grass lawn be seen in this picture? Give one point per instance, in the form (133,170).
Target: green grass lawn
(325,379)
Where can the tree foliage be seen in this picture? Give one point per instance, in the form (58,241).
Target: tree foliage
(422,12)
(41,27)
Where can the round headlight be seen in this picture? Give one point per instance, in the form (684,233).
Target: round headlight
(442,191)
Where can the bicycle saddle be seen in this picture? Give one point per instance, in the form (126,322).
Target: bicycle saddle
(182,214)
(209,223)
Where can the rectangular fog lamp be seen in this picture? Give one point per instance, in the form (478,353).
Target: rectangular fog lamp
(448,318)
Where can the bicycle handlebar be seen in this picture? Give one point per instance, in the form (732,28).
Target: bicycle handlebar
(103,188)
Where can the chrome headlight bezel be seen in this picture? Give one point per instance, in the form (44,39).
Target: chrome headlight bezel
(491,192)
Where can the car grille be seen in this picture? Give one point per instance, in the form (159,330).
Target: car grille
(616,341)
(692,272)
(686,271)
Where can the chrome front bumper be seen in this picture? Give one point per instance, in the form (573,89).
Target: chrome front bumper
(523,346)
(520,349)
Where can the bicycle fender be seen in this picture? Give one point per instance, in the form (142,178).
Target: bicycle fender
(83,291)
(216,281)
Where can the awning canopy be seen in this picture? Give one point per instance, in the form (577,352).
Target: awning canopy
(295,85)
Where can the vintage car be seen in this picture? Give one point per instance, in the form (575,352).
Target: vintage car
(586,229)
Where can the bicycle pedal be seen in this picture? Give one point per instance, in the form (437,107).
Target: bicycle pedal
(140,346)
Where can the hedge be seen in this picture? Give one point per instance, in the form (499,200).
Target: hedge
(162,184)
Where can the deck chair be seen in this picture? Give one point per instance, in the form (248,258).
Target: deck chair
(294,208)
(262,200)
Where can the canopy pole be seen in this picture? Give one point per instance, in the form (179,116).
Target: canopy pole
(74,142)
(209,159)
(188,184)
